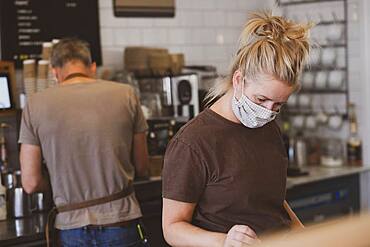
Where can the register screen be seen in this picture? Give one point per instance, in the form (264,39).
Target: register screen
(4,93)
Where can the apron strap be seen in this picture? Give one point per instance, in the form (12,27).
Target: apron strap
(50,230)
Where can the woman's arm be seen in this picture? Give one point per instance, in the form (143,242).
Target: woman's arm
(179,232)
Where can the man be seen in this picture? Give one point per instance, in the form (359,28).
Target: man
(92,135)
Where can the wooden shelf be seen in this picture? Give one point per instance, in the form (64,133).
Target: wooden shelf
(11,112)
(306,2)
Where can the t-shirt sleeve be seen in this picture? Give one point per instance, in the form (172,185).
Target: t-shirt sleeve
(184,174)
(140,124)
(27,134)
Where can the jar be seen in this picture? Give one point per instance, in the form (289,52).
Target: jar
(332,150)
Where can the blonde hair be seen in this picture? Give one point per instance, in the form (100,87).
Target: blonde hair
(268,45)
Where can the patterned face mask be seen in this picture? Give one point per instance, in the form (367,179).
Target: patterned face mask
(249,113)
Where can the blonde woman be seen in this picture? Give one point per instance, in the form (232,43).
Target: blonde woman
(224,174)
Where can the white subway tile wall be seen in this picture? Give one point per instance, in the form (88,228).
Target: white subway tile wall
(359,74)
(358,79)
(205,30)
(357,34)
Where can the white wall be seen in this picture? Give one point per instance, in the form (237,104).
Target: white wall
(361,94)
(359,78)
(206,31)
(358,23)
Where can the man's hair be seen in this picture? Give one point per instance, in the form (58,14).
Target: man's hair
(70,50)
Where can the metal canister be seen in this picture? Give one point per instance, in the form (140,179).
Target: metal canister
(39,202)
(19,203)
(8,180)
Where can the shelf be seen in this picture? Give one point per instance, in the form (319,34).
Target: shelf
(333,46)
(323,68)
(328,23)
(310,112)
(307,2)
(322,91)
(11,112)
(338,46)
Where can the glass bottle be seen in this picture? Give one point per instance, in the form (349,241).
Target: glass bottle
(354,143)
(3,203)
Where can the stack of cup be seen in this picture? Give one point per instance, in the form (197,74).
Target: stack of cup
(55,41)
(52,82)
(42,75)
(46,50)
(29,76)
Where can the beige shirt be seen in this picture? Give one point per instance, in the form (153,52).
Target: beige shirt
(85,131)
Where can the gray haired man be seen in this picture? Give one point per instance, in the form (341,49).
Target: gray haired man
(92,135)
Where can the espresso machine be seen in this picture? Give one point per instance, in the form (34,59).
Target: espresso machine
(169,102)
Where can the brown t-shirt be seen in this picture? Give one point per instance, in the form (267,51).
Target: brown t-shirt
(235,175)
(85,131)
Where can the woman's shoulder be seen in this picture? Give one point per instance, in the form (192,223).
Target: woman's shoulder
(196,129)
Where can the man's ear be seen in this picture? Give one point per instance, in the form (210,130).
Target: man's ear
(93,69)
(56,74)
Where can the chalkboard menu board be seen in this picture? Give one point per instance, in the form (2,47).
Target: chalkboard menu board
(26,24)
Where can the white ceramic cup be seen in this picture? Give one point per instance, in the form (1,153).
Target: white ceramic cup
(328,57)
(335,33)
(311,122)
(335,121)
(304,100)
(321,80)
(308,80)
(298,121)
(292,101)
(322,118)
(314,59)
(336,78)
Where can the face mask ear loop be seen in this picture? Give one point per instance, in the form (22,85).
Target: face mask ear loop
(241,89)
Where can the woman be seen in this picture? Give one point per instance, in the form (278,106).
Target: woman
(224,173)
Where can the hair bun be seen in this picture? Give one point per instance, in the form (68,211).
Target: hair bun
(274,28)
(270,28)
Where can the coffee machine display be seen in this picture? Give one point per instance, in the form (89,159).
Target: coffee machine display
(185,95)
